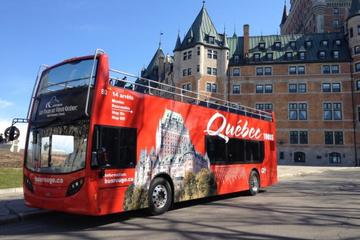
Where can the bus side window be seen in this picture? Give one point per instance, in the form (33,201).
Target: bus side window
(119,144)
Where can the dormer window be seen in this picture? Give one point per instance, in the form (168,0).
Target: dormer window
(269,56)
(293,44)
(289,55)
(338,42)
(262,45)
(322,54)
(277,45)
(308,44)
(302,55)
(257,57)
(211,40)
(336,54)
(236,59)
(189,40)
(324,43)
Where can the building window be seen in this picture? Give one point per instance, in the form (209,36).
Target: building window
(335,69)
(236,89)
(185,56)
(259,71)
(299,157)
(212,54)
(262,45)
(336,23)
(336,138)
(184,72)
(209,53)
(292,88)
(336,11)
(268,71)
(358,112)
(338,42)
(282,155)
(358,29)
(302,87)
(308,44)
(211,40)
(335,158)
(289,55)
(358,85)
(189,54)
(298,137)
(326,69)
(208,70)
(269,56)
(211,87)
(297,111)
(336,87)
(302,55)
(277,45)
(329,138)
(326,87)
(257,57)
(189,71)
(292,70)
(356,49)
(268,88)
(324,43)
(236,59)
(332,111)
(215,54)
(259,88)
(357,67)
(214,71)
(301,70)
(339,138)
(236,72)
(186,86)
(322,54)
(293,44)
(294,137)
(197,68)
(198,51)
(264,106)
(336,54)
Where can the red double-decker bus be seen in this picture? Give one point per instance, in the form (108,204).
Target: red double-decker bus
(102,141)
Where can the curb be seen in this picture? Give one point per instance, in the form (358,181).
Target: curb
(11,190)
(20,217)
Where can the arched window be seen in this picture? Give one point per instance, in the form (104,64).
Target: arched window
(335,158)
(299,157)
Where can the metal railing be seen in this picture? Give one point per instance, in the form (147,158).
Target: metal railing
(151,87)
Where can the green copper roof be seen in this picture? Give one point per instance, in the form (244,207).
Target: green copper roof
(355,8)
(294,43)
(200,31)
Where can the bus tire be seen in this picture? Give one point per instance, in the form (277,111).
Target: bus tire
(254,183)
(160,196)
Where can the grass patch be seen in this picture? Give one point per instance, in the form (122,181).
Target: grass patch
(11,177)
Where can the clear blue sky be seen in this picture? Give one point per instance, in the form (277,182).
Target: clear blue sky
(45,32)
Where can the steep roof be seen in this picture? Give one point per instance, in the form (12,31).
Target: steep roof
(178,44)
(200,31)
(284,16)
(279,54)
(354,9)
(155,60)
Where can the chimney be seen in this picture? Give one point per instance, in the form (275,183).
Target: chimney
(246,40)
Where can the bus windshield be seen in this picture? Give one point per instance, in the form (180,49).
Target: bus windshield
(68,75)
(57,149)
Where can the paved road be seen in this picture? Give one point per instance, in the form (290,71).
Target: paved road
(319,206)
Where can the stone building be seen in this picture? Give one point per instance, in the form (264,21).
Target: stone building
(311,81)
(315,16)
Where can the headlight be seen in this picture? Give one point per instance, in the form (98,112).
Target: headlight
(75,186)
(28,184)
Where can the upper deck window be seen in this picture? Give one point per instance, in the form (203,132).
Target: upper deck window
(69,75)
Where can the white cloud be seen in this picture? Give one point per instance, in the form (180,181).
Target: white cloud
(5,104)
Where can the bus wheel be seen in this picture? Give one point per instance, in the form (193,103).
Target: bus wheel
(254,183)
(160,196)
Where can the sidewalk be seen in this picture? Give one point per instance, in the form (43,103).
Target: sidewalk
(12,208)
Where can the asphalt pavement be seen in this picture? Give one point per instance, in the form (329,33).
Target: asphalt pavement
(12,208)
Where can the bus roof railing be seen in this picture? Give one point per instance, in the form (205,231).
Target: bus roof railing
(201,98)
